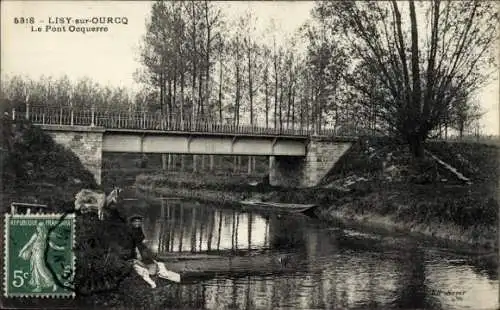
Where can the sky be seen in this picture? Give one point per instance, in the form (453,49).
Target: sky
(111,58)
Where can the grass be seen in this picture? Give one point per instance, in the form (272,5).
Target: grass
(424,197)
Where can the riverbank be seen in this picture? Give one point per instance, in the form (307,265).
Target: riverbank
(35,169)
(377,187)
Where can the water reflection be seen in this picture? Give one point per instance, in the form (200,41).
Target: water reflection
(334,269)
(182,228)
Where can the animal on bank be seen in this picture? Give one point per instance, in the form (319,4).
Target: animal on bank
(87,200)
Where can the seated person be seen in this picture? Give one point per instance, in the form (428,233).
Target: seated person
(144,263)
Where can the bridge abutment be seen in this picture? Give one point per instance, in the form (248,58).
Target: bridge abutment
(308,171)
(84,141)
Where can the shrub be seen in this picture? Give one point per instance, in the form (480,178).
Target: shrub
(33,162)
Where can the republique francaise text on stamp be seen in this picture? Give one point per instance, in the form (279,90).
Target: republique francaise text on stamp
(39,258)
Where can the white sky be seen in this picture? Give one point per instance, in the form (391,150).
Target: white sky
(111,57)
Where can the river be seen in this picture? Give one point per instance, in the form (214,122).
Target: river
(324,267)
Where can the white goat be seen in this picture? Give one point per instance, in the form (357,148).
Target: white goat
(88,200)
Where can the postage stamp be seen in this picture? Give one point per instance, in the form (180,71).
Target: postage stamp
(39,258)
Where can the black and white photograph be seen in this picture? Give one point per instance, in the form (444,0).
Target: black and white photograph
(250,154)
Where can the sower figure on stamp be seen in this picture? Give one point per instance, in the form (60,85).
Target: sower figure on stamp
(34,251)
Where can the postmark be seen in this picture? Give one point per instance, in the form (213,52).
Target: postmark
(39,259)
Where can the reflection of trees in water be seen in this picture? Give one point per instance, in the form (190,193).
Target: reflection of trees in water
(199,229)
(413,291)
(193,230)
(219,231)
(210,231)
(181,227)
(486,265)
(286,233)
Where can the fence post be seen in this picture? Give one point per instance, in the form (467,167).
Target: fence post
(60,116)
(43,118)
(72,117)
(13,114)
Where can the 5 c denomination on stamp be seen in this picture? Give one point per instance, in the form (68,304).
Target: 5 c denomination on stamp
(39,258)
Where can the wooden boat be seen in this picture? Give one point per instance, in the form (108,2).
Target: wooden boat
(203,265)
(278,206)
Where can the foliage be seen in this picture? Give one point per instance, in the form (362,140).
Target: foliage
(413,74)
(102,250)
(33,163)
(19,91)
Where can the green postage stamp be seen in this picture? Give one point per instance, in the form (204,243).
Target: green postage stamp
(39,258)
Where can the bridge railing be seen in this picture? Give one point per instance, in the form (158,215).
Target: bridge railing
(151,121)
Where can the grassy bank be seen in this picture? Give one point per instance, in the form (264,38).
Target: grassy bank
(377,183)
(35,169)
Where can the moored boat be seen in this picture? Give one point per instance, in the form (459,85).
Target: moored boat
(279,206)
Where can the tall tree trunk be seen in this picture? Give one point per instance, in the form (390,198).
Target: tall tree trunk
(238,85)
(201,110)
(207,58)
(194,58)
(182,100)
(293,108)
(281,105)
(289,106)
(416,92)
(301,112)
(220,94)
(275,92)
(415,142)
(162,90)
(173,103)
(266,93)
(250,86)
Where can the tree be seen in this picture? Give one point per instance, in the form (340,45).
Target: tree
(417,64)
(465,114)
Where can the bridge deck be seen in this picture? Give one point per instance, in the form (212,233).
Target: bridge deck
(130,121)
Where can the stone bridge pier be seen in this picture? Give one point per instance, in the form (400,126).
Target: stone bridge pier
(84,141)
(308,171)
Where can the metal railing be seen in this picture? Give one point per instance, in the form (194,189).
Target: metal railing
(153,121)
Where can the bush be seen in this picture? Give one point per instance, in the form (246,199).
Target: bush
(33,164)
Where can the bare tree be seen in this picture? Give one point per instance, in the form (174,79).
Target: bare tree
(418,70)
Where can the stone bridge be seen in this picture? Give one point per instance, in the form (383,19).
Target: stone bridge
(294,161)
(298,157)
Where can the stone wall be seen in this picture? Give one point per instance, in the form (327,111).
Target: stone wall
(307,171)
(85,142)
(320,159)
